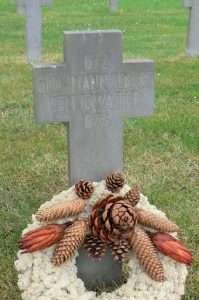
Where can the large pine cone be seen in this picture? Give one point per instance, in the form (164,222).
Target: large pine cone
(61,210)
(154,221)
(115,181)
(72,239)
(146,254)
(84,189)
(112,219)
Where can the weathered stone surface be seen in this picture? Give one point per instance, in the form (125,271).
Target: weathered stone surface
(32,10)
(93,90)
(21,8)
(193,27)
(188,3)
(113,5)
(95,273)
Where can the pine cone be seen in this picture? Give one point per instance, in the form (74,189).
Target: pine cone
(73,237)
(146,254)
(115,181)
(84,189)
(120,250)
(112,219)
(62,210)
(133,195)
(94,246)
(154,221)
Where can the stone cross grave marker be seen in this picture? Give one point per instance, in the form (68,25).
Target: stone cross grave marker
(32,10)
(21,8)
(92,90)
(193,27)
(113,5)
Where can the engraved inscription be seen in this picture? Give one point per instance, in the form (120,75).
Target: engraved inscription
(54,85)
(97,121)
(95,103)
(92,90)
(95,62)
(62,105)
(58,105)
(48,85)
(85,83)
(102,102)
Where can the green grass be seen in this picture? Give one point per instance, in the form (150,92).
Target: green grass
(161,152)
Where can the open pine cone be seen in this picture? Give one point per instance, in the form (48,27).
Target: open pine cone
(133,195)
(84,189)
(120,250)
(94,246)
(112,219)
(115,181)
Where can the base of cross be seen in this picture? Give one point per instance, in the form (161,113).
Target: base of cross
(78,277)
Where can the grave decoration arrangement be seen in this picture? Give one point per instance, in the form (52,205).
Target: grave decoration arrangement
(115,219)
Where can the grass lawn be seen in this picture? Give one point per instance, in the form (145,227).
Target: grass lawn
(161,152)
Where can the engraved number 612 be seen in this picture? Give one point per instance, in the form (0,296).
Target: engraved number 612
(97,62)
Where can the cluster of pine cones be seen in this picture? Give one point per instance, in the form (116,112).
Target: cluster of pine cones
(114,220)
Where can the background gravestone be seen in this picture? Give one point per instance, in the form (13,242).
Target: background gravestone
(34,28)
(92,91)
(21,7)
(193,27)
(113,5)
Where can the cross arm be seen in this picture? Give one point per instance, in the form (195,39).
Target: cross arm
(138,87)
(51,89)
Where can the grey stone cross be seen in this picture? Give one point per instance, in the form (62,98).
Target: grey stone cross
(32,10)
(113,5)
(193,30)
(21,7)
(92,90)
